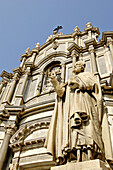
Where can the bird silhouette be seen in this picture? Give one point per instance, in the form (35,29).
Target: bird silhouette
(57,29)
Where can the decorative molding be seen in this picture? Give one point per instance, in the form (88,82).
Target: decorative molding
(107,34)
(4,114)
(10,128)
(75,47)
(52,57)
(28,52)
(89,27)
(5,75)
(90,42)
(76,29)
(18,138)
(18,71)
(55,45)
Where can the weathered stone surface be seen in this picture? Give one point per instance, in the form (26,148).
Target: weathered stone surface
(86,165)
(27,97)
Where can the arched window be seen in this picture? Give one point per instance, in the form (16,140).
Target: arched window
(52,67)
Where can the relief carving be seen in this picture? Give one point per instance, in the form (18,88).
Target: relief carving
(18,138)
(47,84)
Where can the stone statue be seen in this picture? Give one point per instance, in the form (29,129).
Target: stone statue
(79,129)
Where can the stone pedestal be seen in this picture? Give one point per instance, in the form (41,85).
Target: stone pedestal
(86,165)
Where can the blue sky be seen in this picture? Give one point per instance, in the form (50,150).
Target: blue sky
(23,23)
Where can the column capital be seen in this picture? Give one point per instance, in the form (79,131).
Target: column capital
(109,41)
(74,53)
(106,48)
(17,72)
(27,71)
(63,64)
(91,49)
(3,81)
(10,128)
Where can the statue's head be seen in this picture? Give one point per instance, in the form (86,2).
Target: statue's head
(79,67)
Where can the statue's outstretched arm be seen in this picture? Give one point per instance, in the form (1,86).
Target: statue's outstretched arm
(57,86)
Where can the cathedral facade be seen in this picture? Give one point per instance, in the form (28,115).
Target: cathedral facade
(27,96)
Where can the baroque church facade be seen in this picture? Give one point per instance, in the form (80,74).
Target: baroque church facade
(27,96)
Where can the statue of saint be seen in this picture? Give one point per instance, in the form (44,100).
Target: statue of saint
(79,128)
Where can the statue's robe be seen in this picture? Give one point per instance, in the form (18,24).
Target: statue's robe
(87,99)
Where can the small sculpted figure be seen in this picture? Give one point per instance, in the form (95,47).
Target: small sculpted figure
(79,128)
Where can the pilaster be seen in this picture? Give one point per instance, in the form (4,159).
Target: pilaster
(110,44)
(93,59)
(40,82)
(2,84)
(23,61)
(63,72)
(19,97)
(10,129)
(90,44)
(13,83)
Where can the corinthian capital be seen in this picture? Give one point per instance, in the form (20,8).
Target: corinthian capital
(10,128)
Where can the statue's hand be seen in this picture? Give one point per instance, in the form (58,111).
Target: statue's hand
(73,83)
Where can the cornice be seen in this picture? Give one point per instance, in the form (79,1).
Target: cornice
(75,47)
(28,64)
(90,42)
(7,75)
(4,114)
(89,27)
(22,56)
(53,38)
(93,29)
(18,70)
(18,138)
(10,110)
(52,56)
(107,34)
(14,110)
(30,144)
(38,107)
(35,50)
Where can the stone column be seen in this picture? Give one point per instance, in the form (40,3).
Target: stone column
(93,59)
(10,129)
(22,63)
(24,83)
(1,84)
(63,72)
(40,83)
(19,97)
(33,57)
(74,58)
(109,59)
(110,44)
(12,88)
(76,39)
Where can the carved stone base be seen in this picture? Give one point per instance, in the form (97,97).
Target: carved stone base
(86,165)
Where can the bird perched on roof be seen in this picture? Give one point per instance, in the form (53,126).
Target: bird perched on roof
(55,31)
